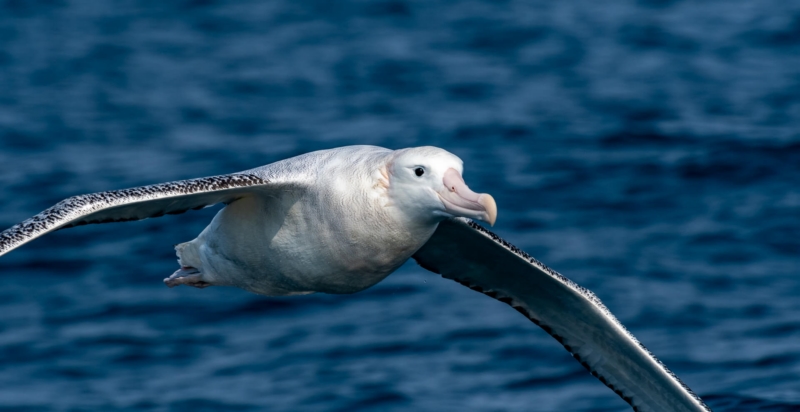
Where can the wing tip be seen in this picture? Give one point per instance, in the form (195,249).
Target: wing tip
(527,313)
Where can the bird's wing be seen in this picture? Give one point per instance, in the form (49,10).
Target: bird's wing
(135,204)
(471,255)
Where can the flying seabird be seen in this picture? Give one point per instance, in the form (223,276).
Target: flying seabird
(341,220)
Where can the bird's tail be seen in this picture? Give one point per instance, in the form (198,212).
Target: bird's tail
(188,255)
(191,271)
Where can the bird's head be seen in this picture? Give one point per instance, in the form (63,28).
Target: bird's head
(426,182)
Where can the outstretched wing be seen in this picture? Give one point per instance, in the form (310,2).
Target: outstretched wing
(133,204)
(471,255)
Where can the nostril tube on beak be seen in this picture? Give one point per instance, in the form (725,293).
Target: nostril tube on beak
(459,200)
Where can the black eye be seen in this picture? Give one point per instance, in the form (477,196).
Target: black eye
(419,171)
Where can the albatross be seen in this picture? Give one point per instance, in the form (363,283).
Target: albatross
(341,220)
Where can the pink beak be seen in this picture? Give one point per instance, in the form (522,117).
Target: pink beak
(460,201)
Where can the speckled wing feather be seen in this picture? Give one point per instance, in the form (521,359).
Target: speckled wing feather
(133,204)
(471,255)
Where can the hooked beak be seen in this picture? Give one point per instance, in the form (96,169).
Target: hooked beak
(458,200)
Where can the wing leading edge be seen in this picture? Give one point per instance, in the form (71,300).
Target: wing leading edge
(465,252)
(132,204)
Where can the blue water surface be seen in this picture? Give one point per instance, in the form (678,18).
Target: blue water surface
(649,150)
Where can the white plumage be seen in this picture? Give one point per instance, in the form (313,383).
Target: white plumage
(341,220)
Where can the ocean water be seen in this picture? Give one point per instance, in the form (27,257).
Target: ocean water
(648,150)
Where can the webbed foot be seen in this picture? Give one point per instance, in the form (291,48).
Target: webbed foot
(188,276)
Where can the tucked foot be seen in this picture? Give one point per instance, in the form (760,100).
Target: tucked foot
(188,276)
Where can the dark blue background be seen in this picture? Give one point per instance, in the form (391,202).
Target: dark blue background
(649,150)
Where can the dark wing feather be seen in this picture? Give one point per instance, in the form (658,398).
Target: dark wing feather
(471,255)
(132,204)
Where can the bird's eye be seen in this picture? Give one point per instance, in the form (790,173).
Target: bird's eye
(419,171)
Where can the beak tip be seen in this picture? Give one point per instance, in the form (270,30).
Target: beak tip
(487,201)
